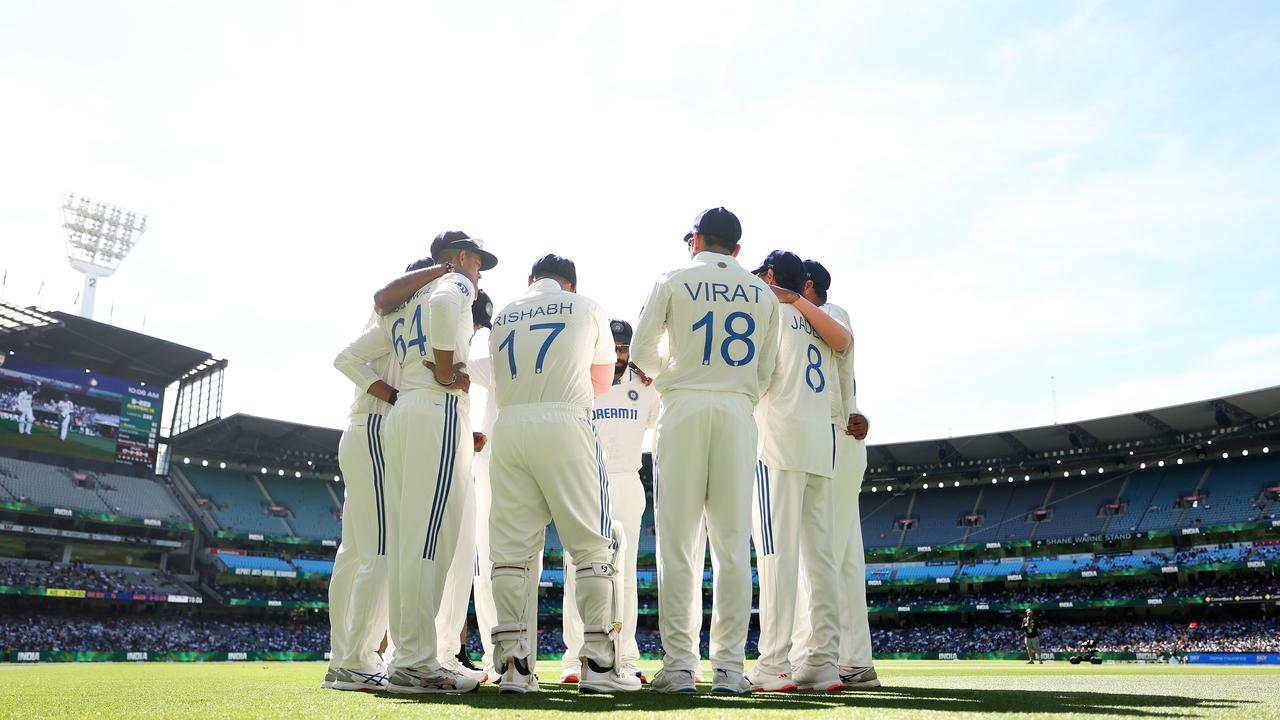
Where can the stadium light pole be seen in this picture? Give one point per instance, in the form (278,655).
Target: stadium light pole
(99,238)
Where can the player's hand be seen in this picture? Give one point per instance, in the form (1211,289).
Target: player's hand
(859,425)
(461,380)
(640,374)
(785,296)
(478,440)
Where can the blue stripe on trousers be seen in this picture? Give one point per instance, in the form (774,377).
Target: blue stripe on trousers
(375,460)
(444,476)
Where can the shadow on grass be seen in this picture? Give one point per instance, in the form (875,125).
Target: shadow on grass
(555,696)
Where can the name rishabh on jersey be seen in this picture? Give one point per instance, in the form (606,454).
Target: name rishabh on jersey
(543,345)
(795,415)
(437,316)
(722,326)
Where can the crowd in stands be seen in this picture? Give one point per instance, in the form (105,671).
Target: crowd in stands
(153,634)
(77,575)
(280,590)
(1259,635)
(1056,593)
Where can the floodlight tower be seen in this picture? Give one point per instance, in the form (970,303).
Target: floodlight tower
(99,238)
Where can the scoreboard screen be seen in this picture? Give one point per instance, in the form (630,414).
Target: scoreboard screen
(77,413)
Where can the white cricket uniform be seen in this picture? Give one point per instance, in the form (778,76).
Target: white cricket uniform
(64,408)
(26,416)
(547,464)
(621,417)
(851,564)
(793,517)
(481,370)
(427,441)
(358,588)
(721,323)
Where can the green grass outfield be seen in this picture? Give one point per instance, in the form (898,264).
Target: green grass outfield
(912,689)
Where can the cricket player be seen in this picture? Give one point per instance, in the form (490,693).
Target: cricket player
(721,325)
(792,514)
(856,667)
(428,445)
(452,615)
(621,416)
(64,409)
(358,587)
(553,352)
(26,415)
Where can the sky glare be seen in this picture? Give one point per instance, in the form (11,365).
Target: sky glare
(1003,192)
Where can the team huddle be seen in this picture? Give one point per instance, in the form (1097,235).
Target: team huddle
(746,378)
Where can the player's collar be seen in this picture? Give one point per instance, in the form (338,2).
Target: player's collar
(707,257)
(545,285)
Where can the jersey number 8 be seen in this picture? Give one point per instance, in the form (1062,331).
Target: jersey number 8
(733,336)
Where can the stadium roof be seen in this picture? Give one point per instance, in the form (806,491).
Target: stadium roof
(256,440)
(1160,427)
(70,340)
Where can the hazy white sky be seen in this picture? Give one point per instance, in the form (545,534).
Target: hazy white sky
(1004,192)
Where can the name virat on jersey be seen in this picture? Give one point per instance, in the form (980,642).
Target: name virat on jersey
(722,292)
(555,308)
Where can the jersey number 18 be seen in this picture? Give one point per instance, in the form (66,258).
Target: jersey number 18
(732,337)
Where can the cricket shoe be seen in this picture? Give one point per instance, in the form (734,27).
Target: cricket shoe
(517,678)
(859,677)
(570,672)
(673,681)
(729,682)
(780,683)
(631,669)
(596,680)
(412,681)
(453,664)
(823,678)
(352,679)
(329,676)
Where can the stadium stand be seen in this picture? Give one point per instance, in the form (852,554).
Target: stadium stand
(914,570)
(15,572)
(937,512)
(1234,491)
(1076,507)
(47,485)
(311,507)
(318,567)
(992,568)
(878,517)
(236,501)
(138,497)
(253,562)
(1162,511)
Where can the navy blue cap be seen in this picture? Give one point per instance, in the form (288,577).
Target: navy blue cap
(688,238)
(551,264)
(819,275)
(458,240)
(788,269)
(719,222)
(621,330)
(425,262)
(482,310)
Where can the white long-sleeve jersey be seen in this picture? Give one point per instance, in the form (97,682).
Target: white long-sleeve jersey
(621,417)
(845,400)
(365,361)
(721,323)
(795,415)
(437,317)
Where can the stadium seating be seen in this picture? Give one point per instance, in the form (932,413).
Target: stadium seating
(1076,503)
(318,567)
(1048,565)
(1233,489)
(47,485)
(255,562)
(139,497)
(237,503)
(992,568)
(84,576)
(310,504)
(1006,507)
(915,570)
(882,572)
(936,512)
(879,512)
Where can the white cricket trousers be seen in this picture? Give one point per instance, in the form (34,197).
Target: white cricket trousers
(486,613)
(427,439)
(63,425)
(358,587)
(451,618)
(851,562)
(792,518)
(546,466)
(627,503)
(706,448)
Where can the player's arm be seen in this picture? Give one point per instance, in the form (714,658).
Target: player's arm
(447,302)
(398,291)
(769,343)
(355,361)
(653,322)
(481,372)
(834,334)
(603,356)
